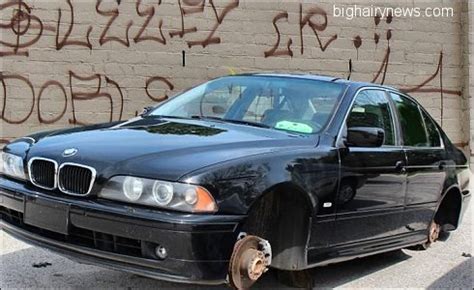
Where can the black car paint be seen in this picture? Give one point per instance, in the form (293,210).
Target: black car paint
(400,186)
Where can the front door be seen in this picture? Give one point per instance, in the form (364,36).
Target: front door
(371,194)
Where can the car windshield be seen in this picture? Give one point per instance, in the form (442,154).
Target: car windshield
(283,103)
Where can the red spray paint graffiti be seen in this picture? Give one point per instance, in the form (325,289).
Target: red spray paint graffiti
(26,84)
(149,14)
(21,24)
(65,40)
(160,79)
(112,14)
(315,11)
(47,85)
(275,51)
(24,29)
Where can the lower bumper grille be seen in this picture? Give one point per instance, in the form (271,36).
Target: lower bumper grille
(12,216)
(106,242)
(79,236)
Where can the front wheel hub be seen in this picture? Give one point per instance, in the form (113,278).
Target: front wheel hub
(250,259)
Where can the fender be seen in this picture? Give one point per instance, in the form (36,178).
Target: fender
(238,184)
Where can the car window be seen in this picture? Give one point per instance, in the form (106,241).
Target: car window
(214,102)
(259,106)
(434,140)
(372,109)
(411,121)
(289,104)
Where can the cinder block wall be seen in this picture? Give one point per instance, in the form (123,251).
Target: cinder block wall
(68,63)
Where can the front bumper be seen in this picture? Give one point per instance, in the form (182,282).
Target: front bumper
(121,237)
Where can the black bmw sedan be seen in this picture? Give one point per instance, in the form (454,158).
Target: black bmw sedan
(237,175)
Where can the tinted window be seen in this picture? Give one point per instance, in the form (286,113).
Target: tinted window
(434,139)
(411,120)
(372,109)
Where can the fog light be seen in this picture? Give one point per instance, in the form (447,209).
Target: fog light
(161,252)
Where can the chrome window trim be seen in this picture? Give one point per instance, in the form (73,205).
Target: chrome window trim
(421,109)
(32,180)
(94,174)
(393,91)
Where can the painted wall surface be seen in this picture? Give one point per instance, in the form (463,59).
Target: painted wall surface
(469,62)
(68,63)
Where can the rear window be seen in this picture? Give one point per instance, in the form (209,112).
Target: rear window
(417,127)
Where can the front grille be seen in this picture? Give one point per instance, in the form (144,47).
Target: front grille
(76,179)
(43,172)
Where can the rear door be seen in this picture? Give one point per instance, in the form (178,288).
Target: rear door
(371,195)
(426,162)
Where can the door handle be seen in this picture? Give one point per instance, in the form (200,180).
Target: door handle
(400,167)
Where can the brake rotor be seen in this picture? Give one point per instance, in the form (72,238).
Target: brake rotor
(435,229)
(247,263)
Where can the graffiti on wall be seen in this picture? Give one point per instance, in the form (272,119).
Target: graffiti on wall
(25,29)
(28,28)
(308,19)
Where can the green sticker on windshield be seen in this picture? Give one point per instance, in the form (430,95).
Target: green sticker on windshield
(294,126)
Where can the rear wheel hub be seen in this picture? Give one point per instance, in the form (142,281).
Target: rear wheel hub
(435,229)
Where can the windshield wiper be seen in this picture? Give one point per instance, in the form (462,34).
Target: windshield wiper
(242,122)
(200,117)
(249,123)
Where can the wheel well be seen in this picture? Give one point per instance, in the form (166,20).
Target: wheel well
(448,211)
(282,216)
(350,180)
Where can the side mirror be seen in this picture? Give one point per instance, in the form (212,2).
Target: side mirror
(146,110)
(365,136)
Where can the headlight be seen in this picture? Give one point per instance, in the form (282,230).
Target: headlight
(162,192)
(12,165)
(157,193)
(132,188)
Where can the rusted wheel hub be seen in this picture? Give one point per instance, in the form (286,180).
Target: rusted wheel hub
(253,262)
(248,262)
(435,229)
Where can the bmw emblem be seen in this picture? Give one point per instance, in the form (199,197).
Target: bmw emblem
(69,152)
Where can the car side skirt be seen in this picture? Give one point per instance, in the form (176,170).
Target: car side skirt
(325,256)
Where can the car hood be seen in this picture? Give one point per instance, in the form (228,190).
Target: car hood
(162,148)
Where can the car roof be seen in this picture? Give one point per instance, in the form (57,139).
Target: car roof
(354,84)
